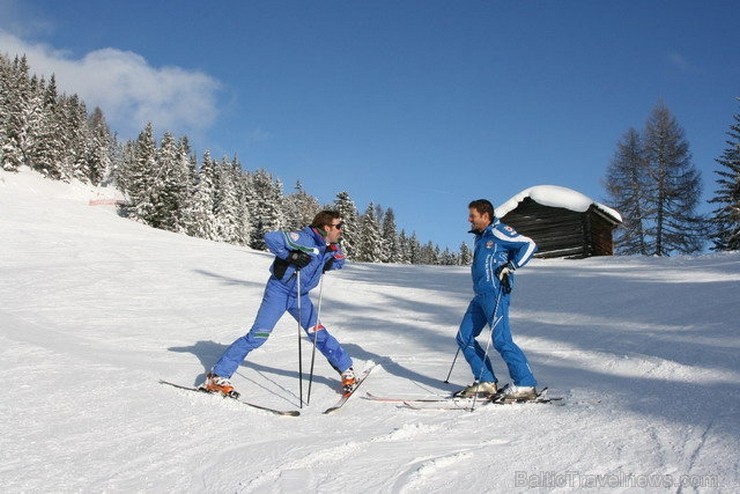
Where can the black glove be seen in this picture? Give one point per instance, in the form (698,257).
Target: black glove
(299,259)
(502,273)
(328,264)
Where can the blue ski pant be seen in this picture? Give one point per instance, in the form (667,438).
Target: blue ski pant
(276,301)
(480,314)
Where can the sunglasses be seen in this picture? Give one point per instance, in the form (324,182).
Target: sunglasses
(339,225)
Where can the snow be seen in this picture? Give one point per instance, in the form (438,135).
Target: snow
(557,197)
(96,309)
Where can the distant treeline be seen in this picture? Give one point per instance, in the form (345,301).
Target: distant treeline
(168,188)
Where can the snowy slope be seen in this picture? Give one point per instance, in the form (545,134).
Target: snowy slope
(95,309)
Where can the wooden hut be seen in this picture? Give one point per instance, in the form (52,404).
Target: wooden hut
(563,222)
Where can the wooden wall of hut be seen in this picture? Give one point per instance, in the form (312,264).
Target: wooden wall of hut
(560,232)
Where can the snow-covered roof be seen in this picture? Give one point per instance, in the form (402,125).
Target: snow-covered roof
(557,197)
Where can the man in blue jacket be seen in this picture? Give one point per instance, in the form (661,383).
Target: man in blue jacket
(312,250)
(498,252)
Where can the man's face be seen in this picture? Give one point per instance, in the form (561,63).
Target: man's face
(478,221)
(334,231)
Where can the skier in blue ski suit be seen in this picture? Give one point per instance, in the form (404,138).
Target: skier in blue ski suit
(498,252)
(311,251)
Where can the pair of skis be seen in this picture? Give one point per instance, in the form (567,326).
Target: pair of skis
(284,413)
(451,402)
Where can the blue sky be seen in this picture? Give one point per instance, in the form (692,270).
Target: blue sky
(420,106)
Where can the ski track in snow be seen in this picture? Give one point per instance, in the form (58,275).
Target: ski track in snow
(95,309)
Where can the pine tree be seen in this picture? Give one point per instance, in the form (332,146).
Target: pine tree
(117,155)
(100,149)
(227,207)
(77,140)
(266,208)
(370,244)
(244,192)
(47,152)
(404,249)
(627,183)
(466,255)
(139,175)
(351,230)
(169,188)
(726,217)
(16,146)
(429,254)
(652,181)
(414,249)
(448,258)
(186,166)
(391,248)
(676,187)
(201,221)
(4,103)
(300,208)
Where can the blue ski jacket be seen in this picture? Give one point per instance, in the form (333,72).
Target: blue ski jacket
(307,240)
(495,246)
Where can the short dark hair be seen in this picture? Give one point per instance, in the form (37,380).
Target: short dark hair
(482,206)
(325,218)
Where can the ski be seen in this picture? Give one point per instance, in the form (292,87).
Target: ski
(409,399)
(456,403)
(346,396)
(283,413)
(451,404)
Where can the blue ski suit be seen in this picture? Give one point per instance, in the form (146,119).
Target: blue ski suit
(281,296)
(495,246)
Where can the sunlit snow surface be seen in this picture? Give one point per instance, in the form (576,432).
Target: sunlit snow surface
(96,309)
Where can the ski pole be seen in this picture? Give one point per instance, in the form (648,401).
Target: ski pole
(300,354)
(315,331)
(447,381)
(494,323)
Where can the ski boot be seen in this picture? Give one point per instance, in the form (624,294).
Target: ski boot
(218,384)
(518,393)
(482,390)
(349,380)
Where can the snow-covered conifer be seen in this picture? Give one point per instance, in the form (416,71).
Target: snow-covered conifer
(16,146)
(726,216)
(370,243)
(414,249)
(140,174)
(300,208)
(77,140)
(466,256)
(391,249)
(404,248)
(227,207)
(265,208)
(344,204)
(243,186)
(100,148)
(201,220)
